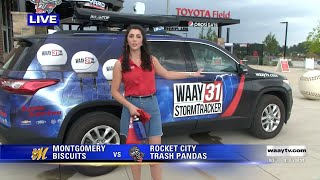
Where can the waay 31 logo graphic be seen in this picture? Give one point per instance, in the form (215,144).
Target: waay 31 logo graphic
(193,99)
(41,18)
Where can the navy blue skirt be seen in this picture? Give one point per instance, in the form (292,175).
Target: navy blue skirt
(150,105)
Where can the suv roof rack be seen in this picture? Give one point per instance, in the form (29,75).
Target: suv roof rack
(92,17)
(75,32)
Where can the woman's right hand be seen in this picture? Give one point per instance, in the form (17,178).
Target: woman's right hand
(134,111)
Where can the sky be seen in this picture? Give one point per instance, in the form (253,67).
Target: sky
(257,17)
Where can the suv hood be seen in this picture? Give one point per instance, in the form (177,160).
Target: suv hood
(264,74)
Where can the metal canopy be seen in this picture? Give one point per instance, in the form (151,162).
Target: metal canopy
(219,21)
(93,17)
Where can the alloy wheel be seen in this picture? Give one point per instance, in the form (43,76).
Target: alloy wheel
(101,135)
(270,118)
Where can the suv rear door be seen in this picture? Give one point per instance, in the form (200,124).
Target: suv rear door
(171,54)
(15,67)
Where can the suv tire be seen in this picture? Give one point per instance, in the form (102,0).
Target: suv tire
(265,107)
(83,125)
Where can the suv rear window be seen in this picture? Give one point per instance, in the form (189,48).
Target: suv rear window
(21,55)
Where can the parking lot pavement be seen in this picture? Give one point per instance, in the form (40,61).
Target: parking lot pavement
(121,173)
(29,171)
(302,129)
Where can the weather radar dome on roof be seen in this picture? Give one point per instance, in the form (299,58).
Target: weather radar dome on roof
(139,8)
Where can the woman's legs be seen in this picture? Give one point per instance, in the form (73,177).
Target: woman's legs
(136,172)
(155,168)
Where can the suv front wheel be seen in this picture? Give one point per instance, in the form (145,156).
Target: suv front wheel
(268,118)
(95,128)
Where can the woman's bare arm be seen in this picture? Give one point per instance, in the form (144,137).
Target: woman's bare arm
(115,89)
(161,71)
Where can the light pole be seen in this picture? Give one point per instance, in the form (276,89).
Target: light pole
(285,41)
(167,7)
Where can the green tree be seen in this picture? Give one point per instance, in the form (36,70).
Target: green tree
(313,41)
(296,49)
(271,44)
(210,35)
(201,35)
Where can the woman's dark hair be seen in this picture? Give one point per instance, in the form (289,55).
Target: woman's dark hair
(145,54)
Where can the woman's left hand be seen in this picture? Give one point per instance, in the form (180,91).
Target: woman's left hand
(198,73)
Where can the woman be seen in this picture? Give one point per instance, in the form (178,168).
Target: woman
(136,68)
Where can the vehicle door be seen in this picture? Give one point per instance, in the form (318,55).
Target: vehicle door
(171,55)
(220,90)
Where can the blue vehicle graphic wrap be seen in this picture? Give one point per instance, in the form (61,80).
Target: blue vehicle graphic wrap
(45,111)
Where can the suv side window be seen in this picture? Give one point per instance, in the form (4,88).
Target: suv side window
(212,59)
(169,54)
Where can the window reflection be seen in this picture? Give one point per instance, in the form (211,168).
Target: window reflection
(169,55)
(212,59)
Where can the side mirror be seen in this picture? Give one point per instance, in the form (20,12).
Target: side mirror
(242,69)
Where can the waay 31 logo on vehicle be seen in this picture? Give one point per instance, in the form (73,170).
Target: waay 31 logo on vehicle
(42,19)
(191,99)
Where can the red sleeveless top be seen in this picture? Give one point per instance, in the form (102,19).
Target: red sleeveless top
(138,82)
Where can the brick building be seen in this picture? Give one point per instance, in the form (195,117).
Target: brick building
(6,26)
(1,40)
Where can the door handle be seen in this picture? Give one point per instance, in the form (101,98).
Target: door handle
(207,81)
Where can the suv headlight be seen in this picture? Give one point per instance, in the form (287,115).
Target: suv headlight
(286,81)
